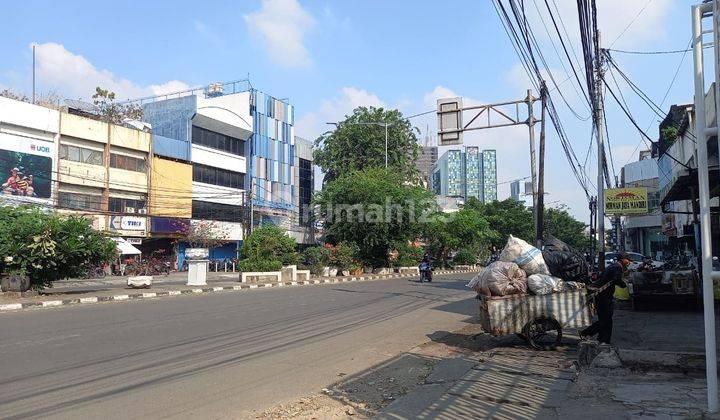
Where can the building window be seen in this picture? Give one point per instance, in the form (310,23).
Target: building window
(80,154)
(653,200)
(127,163)
(305,184)
(213,140)
(127,205)
(215,211)
(76,201)
(216,176)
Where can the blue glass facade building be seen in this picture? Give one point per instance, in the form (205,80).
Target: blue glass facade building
(273,152)
(466,173)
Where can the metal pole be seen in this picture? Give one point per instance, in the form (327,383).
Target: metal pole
(704,195)
(601,148)
(386,146)
(541,172)
(593,231)
(531,125)
(33,75)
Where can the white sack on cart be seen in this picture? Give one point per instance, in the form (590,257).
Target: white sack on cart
(525,255)
(542,284)
(500,279)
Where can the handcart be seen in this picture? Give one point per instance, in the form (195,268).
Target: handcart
(537,319)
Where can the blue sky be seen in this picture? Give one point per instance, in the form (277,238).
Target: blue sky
(330,56)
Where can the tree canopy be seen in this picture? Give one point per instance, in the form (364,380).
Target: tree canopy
(372,208)
(358,143)
(560,224)
(113,112)
(46,247)
(507,217)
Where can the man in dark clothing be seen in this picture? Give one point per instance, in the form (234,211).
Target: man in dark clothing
(604,302)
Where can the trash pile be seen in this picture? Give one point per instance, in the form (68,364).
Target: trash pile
(522,268)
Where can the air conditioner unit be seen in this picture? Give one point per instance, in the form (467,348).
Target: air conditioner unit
(129,209)
(142,211)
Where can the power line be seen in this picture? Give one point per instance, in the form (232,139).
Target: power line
(656,52)
(631,22)
(632,120)
(524,49)
(547,31)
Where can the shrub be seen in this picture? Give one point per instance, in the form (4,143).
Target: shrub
(46,247)
(253,264)
(269,242)
(315,258)
(343,255)
(407,255)
(465,256)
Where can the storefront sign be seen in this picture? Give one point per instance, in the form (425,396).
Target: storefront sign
(620,201)
(25,169)
(169,225)
(127,223)
(134,241)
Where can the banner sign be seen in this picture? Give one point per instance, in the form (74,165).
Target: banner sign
(619,201)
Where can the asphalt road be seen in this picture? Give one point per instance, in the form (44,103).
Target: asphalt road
(214,356)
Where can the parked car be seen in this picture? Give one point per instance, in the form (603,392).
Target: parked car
(636,260)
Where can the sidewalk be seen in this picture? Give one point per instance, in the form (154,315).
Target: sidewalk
(466,375)
(113,289)
(455,375)
(512,383)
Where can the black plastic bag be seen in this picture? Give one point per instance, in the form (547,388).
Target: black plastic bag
(568,265)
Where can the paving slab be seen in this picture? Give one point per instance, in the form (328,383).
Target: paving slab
(527,370)
(459,407)
(508,394)
(520,381)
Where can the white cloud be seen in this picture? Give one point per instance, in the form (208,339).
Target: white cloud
(312,124)
(73,76)
(282,26)
(615,15)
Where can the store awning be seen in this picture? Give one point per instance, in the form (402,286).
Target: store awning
(125,248)
(682,186)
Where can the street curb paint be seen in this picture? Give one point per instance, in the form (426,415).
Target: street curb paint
(148,295)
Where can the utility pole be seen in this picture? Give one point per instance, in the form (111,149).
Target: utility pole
(33,75)
(599,118)
(539,219)
(529,100)
(593,231)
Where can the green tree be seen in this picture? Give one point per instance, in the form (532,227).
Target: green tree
(507,217)
(408,255)
(268,244)
(358,143)
(373,209)
(438,239)
(467,230)
(560,224)
(45,246)
(113,112)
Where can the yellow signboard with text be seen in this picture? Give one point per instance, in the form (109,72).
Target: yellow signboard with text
(626,201)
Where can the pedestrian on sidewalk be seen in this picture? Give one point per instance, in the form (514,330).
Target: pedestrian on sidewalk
(604,289)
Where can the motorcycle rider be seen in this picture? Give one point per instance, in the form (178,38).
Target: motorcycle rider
(425,269)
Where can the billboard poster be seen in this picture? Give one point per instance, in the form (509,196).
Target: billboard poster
(25,170)
(620,201)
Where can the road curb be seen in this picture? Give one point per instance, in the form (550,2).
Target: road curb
(216,289)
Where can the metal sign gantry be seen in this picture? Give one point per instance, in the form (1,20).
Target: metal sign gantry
(450,112)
